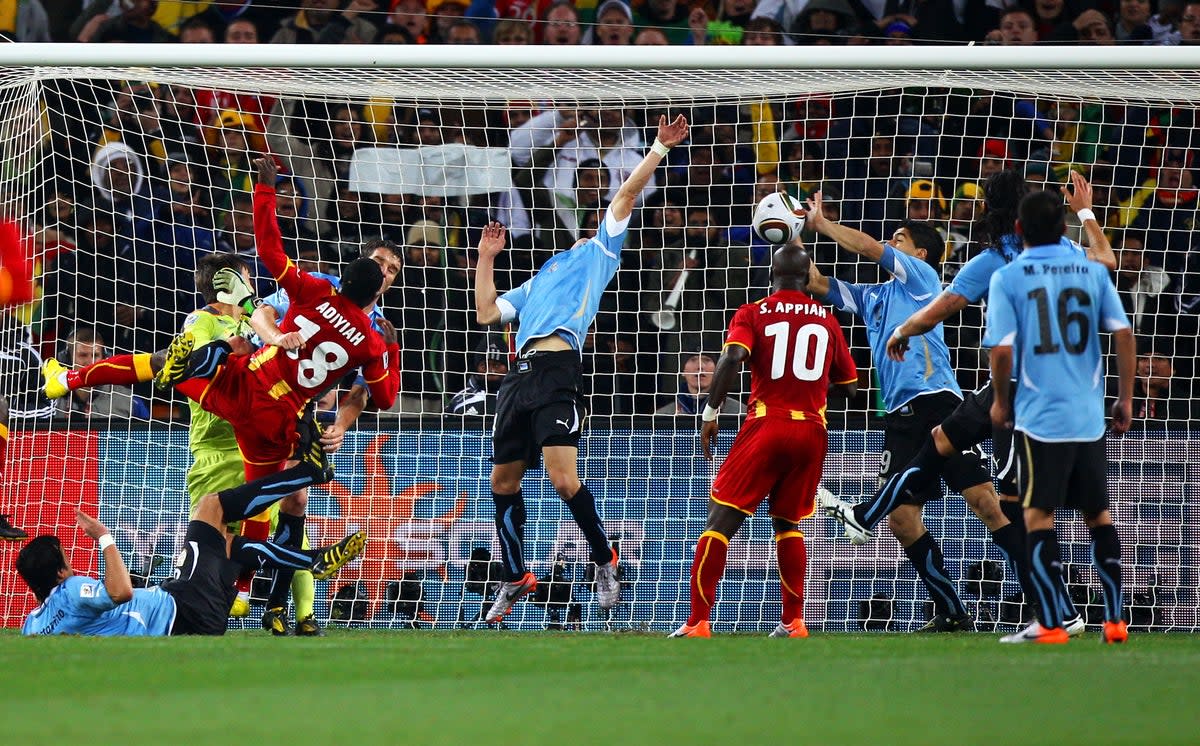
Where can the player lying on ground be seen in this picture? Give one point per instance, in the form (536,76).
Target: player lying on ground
(1045,314)
(540,407)
(969,424)
(798,355)
(918,393)
(196,599)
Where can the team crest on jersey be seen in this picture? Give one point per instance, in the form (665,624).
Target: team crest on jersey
(87,591)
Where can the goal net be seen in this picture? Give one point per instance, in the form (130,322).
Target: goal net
(125,175)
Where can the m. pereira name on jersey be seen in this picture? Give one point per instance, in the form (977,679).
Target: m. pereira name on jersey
(339,322)
(811,309)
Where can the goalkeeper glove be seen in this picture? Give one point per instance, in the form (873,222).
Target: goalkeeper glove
(232,288)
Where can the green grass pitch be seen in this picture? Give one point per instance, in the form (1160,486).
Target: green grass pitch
(482,687)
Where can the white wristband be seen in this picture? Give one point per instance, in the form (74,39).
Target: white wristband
(106,541)
(709,413)
(659,148)
(1085,215)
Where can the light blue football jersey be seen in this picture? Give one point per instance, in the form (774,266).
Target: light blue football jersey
(885,306)
(81,606)
(564,296)
(1050,305)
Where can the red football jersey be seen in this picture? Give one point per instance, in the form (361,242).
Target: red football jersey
(796,350)
(338,334)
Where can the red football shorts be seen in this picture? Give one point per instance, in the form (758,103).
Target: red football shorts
(776,458)
(265,427)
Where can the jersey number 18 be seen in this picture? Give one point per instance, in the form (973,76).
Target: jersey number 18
(325,357)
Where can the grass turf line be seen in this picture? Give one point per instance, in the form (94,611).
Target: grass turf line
(433,688)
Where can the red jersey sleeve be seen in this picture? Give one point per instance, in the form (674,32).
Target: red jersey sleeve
(382,373)
(741,329)
(268,239)
(841,365)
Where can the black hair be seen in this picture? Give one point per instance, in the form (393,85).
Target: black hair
(208,266)
(925,236)
(369,246)
(1043,220)
(361,281)
(1002,193)
(39,563)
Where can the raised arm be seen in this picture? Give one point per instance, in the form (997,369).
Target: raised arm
(268,239)
(265,323)
(383,372)
(1079,199)
(491,243)
(116,577)
(669,135)
(726,374)
(938,310)
(848,238)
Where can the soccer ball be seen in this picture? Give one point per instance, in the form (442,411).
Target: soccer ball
(778,218)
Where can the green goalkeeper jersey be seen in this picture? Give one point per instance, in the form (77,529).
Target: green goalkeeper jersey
(208,431)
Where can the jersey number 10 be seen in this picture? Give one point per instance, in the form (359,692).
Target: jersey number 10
(808,355)
(325,357)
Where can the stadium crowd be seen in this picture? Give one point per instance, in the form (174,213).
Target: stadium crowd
(147,177)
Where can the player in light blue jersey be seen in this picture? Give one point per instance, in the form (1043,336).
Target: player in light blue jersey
(196,599)
(540,408)
(1046,311)
(918,393)
(969,424)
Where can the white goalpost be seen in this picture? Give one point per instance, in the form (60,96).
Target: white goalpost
(126,164)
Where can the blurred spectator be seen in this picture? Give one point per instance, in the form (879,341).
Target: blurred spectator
(400,35)
(479,395)
(25,21)
(1160,400)
(897,33)
(1189,24)
(134,23)
(197,30)
(1017,28)
(234,140)
(993,158)
(1048,15)
(83,347)
(1094,27)
(614,24)
(695,382)
(241,31)
(668,16)
(925,202)
(510,31)
(133,120)
(1164,208)
(561,24)
(763,32)
(824,21)
(318,22)
(650,37)
(442,15)
(1164,25)
(1133,17)
(410,15)
(463,31)
(1139,283)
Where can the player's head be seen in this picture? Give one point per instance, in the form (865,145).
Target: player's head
(1002,194)
(920,239)
(789,267)
(1041,219)
(42,565)
(362,282)
(209,265)
(387,255)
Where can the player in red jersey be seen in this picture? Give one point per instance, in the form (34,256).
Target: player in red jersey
(798,356)
(264,395)
(16,287)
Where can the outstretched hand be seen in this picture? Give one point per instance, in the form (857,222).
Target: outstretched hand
(1079,196)
(266,171)
(674,133)
(491,243)
(815,218)
(92,527)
